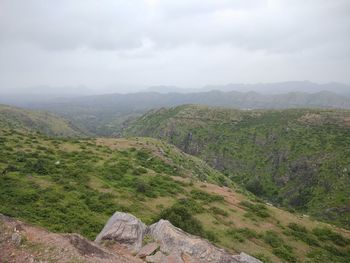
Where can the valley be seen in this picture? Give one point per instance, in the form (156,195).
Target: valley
(74,184)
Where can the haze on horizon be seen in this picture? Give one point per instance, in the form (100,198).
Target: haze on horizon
(109,45)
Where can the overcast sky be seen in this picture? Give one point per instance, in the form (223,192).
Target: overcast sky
(100,43)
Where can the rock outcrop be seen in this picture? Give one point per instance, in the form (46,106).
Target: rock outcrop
(124,229)
(170,244)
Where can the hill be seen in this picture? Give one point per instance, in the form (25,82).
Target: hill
(75,185)
(105,115)
(295,158)
(44,122)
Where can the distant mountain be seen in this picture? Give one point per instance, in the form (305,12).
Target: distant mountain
(107,114)
(283,87)
(44,122)
(298,158)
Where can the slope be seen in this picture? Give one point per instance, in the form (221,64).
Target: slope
(296,158)
(75,185)
(47,123)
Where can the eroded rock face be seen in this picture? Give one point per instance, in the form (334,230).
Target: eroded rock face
(124,229)
(174,240)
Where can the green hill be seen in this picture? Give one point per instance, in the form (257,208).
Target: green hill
(75,185)
(44,122)
(296,158)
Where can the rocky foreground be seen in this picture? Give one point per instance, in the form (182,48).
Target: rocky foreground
(124,239)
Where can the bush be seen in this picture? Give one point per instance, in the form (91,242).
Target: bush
(326,234)
(301,233)
(218,211)
(284,253)
(255,186)
(259,210)
(273,239)
(241,234)
(180,216)
(204,196)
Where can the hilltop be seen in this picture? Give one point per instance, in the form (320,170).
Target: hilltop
(297,158)
(41,121)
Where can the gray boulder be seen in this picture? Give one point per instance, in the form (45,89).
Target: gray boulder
(124,229)
(174,240)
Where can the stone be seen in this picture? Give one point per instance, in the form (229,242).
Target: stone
(245,258)
(173,258)
(158,257)
(188,259)
(124,229)
(173,239)
(85,247)
(148,249)
(16,239)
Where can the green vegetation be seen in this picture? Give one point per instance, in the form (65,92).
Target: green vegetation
(296,158)
(44,122)
(75,185)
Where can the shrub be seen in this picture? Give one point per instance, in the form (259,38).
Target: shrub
(273,239)
(204,196)
(301,233)
(284,253)
(218,211)
(255,186)
(326,234)
(259,210)
(180,216)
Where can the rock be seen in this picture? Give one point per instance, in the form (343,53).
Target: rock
(156,258)
(86,248)
(173,258)
(124,229)
(148,249)
(179,246)
(245,258)
(16,239)
(188,259)
(174,240)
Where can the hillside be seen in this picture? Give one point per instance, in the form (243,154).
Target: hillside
(295,158)
(44,122)
(75,185)
(105,115)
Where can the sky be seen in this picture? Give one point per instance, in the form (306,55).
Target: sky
(124,44)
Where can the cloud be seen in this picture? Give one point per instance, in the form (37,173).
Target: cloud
(67,41)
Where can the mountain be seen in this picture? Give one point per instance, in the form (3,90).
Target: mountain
(296,158)
(106,115)
(74,185)
(284,87)
(45,122)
